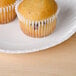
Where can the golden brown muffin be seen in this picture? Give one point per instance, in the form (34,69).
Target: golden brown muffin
(4,3)
(7,11)
(39,17)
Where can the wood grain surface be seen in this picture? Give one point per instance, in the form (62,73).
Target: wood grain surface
(56,61)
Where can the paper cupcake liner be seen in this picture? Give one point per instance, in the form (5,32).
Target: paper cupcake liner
(37,28)
(7,13)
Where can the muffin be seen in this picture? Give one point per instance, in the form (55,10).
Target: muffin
(37,18)
(7,11)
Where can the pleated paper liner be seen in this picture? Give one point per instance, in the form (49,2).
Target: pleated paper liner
(7,13)
(37,28)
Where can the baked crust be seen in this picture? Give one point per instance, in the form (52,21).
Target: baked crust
(36,10)
(4,3)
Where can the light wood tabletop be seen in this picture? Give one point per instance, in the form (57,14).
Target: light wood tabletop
(56,61)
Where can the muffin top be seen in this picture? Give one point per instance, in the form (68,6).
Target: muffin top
(4,3)
(37,9)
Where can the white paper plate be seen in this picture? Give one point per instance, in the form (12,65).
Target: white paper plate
(12,40)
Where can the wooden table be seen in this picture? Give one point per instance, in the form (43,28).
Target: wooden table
(56,61)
